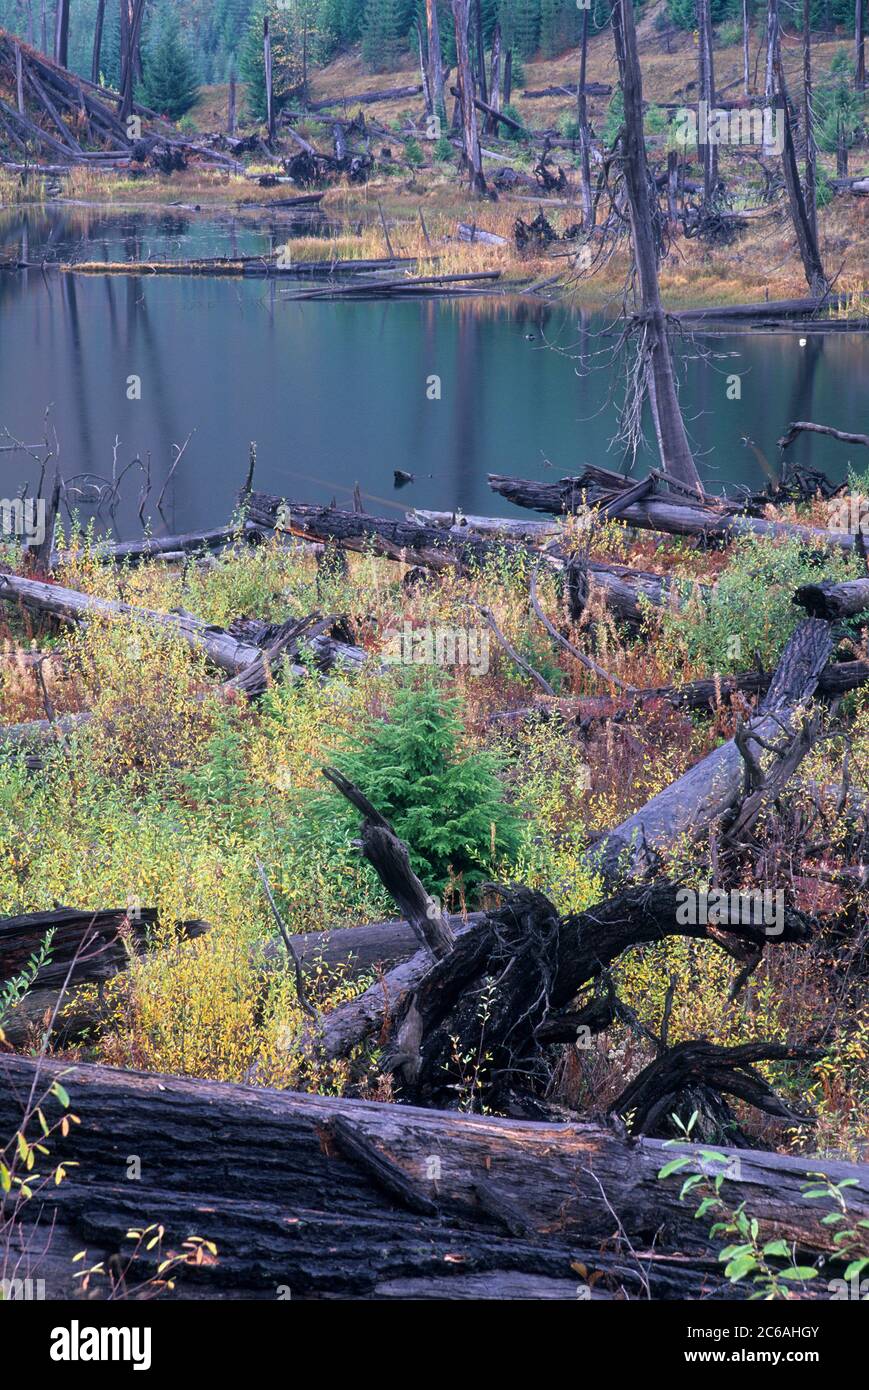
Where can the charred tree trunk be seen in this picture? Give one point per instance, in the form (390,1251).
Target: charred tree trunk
(859,46)
(132,14)
(470,137)
(804,224)
(675,452)
(834,601)
(582,123)
(61,34)
(508,77)
(811,183)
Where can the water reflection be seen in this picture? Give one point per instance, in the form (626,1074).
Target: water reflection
(336,392)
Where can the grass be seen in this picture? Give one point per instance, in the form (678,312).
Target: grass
(170,794)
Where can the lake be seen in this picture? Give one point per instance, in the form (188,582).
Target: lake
(336,393)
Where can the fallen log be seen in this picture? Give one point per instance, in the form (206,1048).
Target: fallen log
(360,1200)
(465,546)
(675,517)
(769,309)
(591,89)
(246,661)
(83,948)
(834,601)
(709,790)
(475,233)
(131,552)
(365,98)
(706,694)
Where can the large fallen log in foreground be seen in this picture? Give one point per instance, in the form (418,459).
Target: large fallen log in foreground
(668,514)
(353,1199)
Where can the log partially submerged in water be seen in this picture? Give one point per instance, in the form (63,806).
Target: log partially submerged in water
(356,1199)
(673,515)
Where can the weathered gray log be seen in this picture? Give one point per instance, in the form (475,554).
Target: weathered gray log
(332,1219)
(703,795)
(238,658)
(664,514)
(153,546)
(834,601)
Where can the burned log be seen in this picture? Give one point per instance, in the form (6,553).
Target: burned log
(343,1189)
(80,948)
(711,789)
(701,1074)
(834,601)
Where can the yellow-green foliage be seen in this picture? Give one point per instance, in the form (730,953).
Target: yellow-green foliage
(170,792)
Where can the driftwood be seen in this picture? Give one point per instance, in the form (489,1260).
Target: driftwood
(797,427)
(362,1200)
(672,515)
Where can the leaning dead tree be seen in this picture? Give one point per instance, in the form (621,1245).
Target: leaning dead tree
(801,196)
(655,367)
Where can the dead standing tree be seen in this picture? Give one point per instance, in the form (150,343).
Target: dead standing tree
(706,78)
(656,372)
(582,123)
(801,201)
(132,14)
(470,134)
(435,66)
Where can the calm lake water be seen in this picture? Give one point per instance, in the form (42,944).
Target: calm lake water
(335,393)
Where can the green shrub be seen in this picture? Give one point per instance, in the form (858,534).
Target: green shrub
(750,611)
(413,152)
(445,803)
